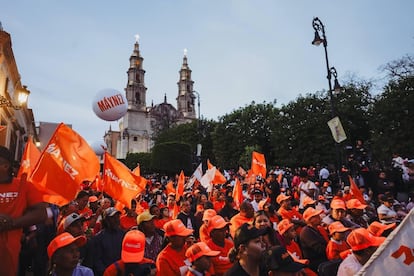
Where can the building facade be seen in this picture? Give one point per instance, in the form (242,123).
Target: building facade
(142,122)
(16,119)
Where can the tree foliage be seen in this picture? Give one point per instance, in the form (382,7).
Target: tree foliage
(297,133)
(172,157)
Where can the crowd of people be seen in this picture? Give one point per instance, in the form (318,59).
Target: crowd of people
(298,223)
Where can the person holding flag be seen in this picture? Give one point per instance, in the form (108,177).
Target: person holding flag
(20,206)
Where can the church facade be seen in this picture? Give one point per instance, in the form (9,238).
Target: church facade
(141,122)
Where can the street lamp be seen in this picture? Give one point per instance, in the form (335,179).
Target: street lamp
(320,38)
(22,96)
(199,146)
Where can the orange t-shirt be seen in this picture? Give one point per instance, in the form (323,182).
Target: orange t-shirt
(172,262)
(221,262)
(15,198)
(334,249)
(237,221)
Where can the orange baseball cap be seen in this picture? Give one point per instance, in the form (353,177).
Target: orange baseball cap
(376,228)
(284,225)
(338,204)
(199,250)
(176,227)
(63,240)
(133,247)
(208,214)
(311,212)
(355,204)
(337,227)
(281,197)
(216,222)
(321,197)
(308,201)
(360,239)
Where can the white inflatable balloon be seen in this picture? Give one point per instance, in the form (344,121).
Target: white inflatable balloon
(99,147)
(110,105)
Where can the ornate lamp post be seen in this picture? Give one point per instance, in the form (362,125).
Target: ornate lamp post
(199,146)
(320,38)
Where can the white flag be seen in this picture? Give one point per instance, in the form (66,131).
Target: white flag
(207,178)
(197,174)
(396,255)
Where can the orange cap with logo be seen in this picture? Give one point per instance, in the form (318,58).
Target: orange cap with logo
(133,247)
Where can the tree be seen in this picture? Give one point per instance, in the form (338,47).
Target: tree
(245,127)
(142,158)
(172,157)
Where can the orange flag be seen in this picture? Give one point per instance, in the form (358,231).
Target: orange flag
(119,182)
(30,157)
(258,166)
(237,193)
(356,193)
(137,170)
(66,161)
(218,176)
(209,165)
(175,211)
(97,184)
(180,186)
(169,188)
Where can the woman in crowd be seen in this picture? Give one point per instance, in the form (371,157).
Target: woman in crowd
(247,252)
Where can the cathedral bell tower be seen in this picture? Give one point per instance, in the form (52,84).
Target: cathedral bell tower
(185,99)
(136,90)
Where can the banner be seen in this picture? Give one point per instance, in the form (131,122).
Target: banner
(337,130)
(218,176)
(238,193)
(30,157)
(206,180)
(64,164)
(356,193)
(396,255)
(258,166)
(180,186)
(119,182)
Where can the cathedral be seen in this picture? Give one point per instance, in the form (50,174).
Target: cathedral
(141,122)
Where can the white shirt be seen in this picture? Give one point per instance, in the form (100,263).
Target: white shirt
(307,187)
(349,266)
(384,210)
(324,173)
